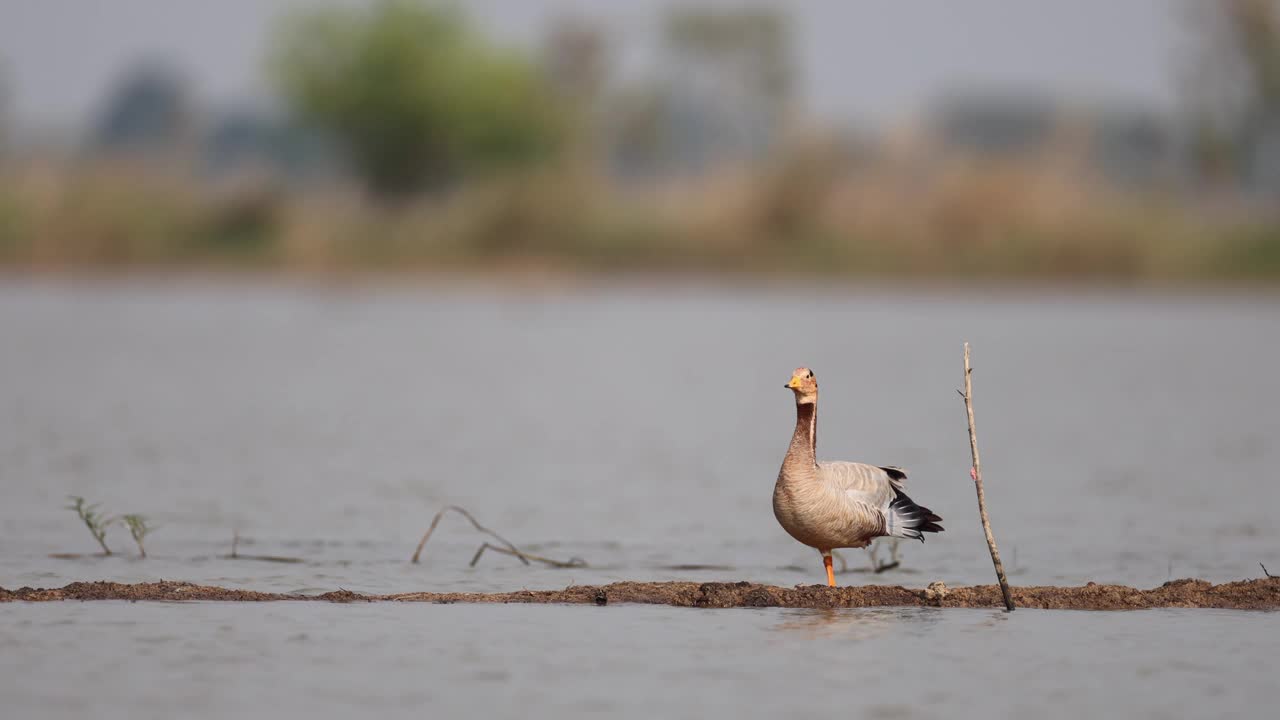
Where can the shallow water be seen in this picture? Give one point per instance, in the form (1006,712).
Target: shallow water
(1126,438)
(320,660)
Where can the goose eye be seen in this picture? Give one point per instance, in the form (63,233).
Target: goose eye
(809,374)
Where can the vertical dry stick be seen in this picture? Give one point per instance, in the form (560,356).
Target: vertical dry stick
(976,474)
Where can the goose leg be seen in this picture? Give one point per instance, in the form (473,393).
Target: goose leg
(831,575)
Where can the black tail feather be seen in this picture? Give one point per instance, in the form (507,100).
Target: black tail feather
(909,520)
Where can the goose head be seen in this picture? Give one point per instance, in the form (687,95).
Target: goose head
(804,385)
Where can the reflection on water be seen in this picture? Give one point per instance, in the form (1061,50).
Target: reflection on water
(861,623)
(852,624)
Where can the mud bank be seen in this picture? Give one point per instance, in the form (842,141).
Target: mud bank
(1259,594)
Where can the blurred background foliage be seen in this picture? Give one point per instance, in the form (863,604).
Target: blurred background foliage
(414,96)
(399,135)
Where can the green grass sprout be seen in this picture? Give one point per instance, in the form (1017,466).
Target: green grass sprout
(138,528)
(96,523)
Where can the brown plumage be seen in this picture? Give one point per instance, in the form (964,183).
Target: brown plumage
(829,505)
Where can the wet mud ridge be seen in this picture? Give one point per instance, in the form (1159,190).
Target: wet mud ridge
(1259,594)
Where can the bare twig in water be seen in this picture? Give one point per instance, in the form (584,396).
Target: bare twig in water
(474,523)
(873,552)
(1264,571)
(510,548)
(976,473)
(96,523)
(139,529)
(894,561)
(235,553)
(272,558)
(574,562)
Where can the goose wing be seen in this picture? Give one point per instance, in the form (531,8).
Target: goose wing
(876,502)
(870,484)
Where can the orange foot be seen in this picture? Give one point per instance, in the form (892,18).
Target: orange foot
(831,574)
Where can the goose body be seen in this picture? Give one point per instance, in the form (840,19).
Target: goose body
(828,505)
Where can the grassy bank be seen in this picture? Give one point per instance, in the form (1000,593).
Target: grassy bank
(1012,222)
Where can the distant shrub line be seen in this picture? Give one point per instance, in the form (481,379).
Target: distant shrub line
(987,225)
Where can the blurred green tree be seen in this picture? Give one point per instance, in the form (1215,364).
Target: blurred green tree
(577,63)
(416,99)
(147,111)
(1234,86)
(722,93)
(749,47)
(576,55)
(4,109)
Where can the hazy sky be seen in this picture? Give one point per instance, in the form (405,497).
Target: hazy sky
(863,60)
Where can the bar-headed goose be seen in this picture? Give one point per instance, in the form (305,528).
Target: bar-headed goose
(828,505)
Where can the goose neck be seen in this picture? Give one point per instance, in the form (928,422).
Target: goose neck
(804,441)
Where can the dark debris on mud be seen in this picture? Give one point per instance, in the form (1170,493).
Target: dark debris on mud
(1259,594)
